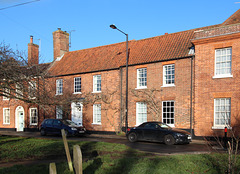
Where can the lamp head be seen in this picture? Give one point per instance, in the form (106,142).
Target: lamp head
(113,26)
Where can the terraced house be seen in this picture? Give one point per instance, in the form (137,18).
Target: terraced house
(188,79)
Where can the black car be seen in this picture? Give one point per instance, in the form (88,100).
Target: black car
(54,126)
(160,132)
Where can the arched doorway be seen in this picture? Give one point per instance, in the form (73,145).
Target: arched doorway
(19,118)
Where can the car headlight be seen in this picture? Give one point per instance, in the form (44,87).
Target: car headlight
(73,128)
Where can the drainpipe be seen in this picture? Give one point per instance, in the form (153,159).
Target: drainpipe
(191,98)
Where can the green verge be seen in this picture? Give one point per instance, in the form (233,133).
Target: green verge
(101,157)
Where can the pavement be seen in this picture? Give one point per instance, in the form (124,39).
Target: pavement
(37,134)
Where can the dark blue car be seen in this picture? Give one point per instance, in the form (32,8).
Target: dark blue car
(54,126)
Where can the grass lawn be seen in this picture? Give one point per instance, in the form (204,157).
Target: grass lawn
(101,157)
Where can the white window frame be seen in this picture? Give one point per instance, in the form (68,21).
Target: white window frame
(59,112)
(168,113)
(221,61)
(166,75)
(32,88)
(7,91)
(19,91)
(59,86)
(31,116)
(141,78)
(77,85)
(141,113)
(5,119)
(97,83)
(222,107)
(97,114)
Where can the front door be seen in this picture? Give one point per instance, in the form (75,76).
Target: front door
(20,121)
(77,113)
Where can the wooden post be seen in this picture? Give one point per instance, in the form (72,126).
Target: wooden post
(77,159)
(67,150)
(52,168)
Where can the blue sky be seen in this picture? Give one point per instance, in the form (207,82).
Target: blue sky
(89,20)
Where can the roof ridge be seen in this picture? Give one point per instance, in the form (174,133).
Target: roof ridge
(109,45)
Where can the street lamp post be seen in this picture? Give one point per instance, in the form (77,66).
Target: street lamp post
(126,109)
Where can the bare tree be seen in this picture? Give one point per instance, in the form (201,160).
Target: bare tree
(151,98)
(20,81)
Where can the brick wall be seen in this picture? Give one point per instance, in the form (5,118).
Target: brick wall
(207,88)
(180,93)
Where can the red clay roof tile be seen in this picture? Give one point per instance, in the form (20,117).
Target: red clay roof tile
(160,48)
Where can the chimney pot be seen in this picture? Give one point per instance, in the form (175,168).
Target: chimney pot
(32,53)
(166,33)
(59,28)
(31,39)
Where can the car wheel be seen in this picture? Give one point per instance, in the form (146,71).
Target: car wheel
(169,140)
(132,137)
(43,132)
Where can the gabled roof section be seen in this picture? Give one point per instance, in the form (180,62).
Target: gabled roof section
(235,18)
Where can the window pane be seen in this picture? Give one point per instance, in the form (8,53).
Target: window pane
(141,112)
(168,74)
(97,83)
(222,111)
(97,113)
(77,84)
(168,112)
(33,116)
(223,61)
(142,77)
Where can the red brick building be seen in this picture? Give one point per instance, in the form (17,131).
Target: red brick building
(187,79)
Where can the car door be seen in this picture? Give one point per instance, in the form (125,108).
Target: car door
(57,126)
(48,126)
(162,131)
(150,131)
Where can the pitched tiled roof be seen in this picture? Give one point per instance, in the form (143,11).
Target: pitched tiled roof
(160,48)
(35,70)
(235,18)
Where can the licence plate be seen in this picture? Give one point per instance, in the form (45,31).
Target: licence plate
(81,132)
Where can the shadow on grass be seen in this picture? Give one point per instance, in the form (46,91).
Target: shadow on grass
(96,164)
(124,164)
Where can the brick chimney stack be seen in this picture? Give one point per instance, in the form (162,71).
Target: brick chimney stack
(60,43)
(33,53)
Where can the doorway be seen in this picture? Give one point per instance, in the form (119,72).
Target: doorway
(19,118)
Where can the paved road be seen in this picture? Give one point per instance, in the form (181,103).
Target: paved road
(197,146)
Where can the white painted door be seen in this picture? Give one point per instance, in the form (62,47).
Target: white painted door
(20,121)
(77,113)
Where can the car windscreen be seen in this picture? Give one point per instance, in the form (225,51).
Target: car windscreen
(164,126)
(69,123)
